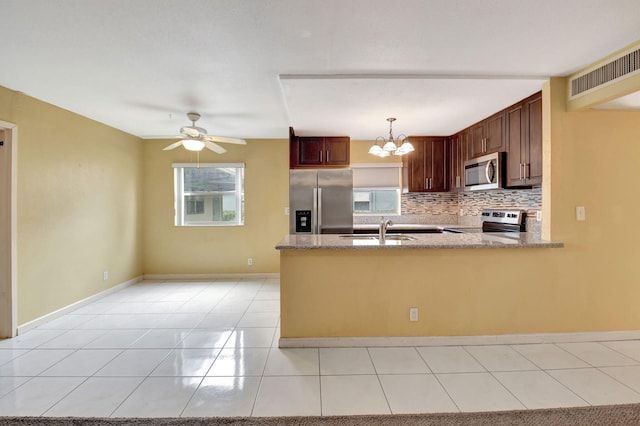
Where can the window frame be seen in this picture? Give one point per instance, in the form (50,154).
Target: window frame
(369,181)
(179,194)
(372,201)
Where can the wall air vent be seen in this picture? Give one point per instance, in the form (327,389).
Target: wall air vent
(621,67)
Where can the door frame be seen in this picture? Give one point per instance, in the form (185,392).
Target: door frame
(9,233)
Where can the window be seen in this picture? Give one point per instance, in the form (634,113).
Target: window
(209,194)
(375,201)
(376,188)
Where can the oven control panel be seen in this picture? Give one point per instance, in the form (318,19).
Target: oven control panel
(513,217)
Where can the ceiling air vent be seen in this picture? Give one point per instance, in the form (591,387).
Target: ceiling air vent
(618,68)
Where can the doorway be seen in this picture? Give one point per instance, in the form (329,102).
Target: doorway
(8,230)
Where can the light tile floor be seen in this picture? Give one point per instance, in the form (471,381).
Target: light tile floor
(210,349)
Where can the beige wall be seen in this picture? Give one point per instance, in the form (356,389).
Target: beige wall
(593,284)
(79,205)
(359,153)
(169,249)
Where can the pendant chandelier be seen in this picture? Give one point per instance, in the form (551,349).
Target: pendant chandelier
(391,146)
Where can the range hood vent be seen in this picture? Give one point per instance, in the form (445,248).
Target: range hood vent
(625,65)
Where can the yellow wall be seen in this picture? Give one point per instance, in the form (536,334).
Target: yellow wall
(79,205)
(359,153)
(169,249)
(593,284)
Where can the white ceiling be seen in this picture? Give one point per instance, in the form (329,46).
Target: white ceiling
(255,67)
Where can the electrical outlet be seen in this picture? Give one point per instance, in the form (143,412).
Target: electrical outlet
(539,216)
(581,213)
(250,261)
(105,275)
(413,314)
(286,211)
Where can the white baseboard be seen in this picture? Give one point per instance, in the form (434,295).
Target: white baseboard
(192,277)
(507,339)
(23,328)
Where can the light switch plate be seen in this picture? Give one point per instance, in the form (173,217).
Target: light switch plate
(580,213)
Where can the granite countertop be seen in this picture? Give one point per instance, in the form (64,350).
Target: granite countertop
(418,241)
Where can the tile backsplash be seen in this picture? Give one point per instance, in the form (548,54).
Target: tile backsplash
(444,208)
(464,208)
(471,203)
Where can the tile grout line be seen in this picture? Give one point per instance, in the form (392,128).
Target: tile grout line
(379,381)
(497,380)
(435,375)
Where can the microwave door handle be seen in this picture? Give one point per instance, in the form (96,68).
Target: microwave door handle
(487,171)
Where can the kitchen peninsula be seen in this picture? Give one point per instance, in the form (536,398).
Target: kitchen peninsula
(462,285)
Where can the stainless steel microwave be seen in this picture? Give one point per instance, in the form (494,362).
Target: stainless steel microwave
(486,172)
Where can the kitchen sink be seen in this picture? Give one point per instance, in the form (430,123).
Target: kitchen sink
(391,237)
(400,237)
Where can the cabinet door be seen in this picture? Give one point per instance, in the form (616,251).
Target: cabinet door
(416,166)
(475,143)
(516,124)
(336,151)
(494,138)
(310,151)
(454,162)
(436,165)
(534,137)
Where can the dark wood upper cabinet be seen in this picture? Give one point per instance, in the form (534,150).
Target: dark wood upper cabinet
(336,151)
(457,156)
(318,151)
(427,166)
(524,137)
(487,136)
(310,151)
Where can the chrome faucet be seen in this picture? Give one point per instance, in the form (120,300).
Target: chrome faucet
(382,232)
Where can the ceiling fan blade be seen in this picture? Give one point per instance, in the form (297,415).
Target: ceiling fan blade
(214,147)
(223,139)
(173,146)
(192,132)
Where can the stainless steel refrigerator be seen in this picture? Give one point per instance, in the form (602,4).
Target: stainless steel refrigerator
(320,201)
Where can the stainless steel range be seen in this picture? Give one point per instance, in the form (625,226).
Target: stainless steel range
(503,221)
(495,221)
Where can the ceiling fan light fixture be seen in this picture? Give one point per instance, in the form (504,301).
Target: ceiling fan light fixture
(193,144)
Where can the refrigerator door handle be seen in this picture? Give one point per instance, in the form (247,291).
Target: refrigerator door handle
(319,212)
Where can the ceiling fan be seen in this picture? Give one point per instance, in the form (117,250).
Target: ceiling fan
(195,138)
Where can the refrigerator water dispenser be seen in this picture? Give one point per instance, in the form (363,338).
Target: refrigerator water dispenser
(303,220)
